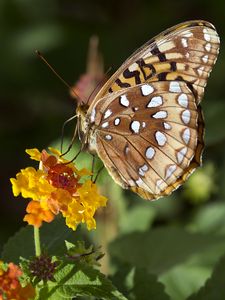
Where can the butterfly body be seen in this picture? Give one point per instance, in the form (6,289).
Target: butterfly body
(146,123)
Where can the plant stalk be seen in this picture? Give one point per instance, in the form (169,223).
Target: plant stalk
(37,241)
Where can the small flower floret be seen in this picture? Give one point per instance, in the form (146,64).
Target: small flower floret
(10,287)
(43,268)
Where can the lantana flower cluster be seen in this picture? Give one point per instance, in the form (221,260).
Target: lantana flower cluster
(57,187)
(10,287)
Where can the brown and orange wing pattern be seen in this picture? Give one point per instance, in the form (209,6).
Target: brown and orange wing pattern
(185,52)
(147,136)
(146,123)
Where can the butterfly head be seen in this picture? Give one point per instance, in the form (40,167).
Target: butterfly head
(82,125)
(85,129)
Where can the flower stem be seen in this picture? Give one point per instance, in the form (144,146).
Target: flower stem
(37,241)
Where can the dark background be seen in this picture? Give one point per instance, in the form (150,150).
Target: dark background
(34,103)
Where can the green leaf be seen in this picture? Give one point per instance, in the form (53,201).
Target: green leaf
(214,116)
(79,252)
(79,280)
(53,238)
(214,287)
(123,278)
(16,247)
(138,284)
(146,286)
(138,218)
(161,248)
(183,280)
(209,219)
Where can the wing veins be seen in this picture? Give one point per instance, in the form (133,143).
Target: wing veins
(130,165)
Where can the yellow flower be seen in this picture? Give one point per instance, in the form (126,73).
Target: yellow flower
(32,184)
(55,152)
(34,153)
(89,195)
(56,188)
(83,207)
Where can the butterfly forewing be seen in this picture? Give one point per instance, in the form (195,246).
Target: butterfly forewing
(146,123)
(184,52)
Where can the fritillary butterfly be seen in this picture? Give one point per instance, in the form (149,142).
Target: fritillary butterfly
(146,123)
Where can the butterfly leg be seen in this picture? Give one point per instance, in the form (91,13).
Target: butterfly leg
(93,169)
(92,166)
(75,157)
(99,171)
(73,138)
(78,153)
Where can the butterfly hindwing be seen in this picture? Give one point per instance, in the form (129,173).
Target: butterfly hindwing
(147,136)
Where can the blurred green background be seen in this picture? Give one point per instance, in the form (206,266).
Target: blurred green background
(34,104)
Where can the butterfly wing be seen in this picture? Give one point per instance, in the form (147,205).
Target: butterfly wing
(149,137)
(152,147)
(185,52)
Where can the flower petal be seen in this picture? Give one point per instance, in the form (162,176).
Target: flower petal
(34,153)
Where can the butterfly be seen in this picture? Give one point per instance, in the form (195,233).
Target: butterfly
(146,123)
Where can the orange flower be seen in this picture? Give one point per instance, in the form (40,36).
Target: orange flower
(10,287)
(36,214)
(56,188)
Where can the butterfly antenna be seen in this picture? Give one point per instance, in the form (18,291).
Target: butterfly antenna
(40,55)
(62,135)
(99,83)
